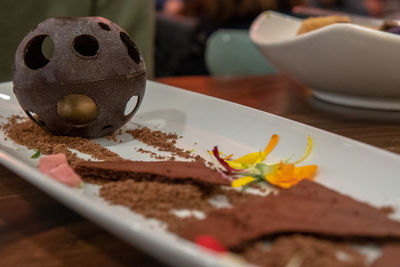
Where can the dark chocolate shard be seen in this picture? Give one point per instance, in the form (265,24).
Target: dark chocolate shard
(390,256)
(306,208)
(161,171)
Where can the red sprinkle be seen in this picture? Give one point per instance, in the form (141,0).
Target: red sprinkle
(210,242)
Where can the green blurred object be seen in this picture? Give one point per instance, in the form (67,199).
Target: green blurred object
(231,52)
(18,17)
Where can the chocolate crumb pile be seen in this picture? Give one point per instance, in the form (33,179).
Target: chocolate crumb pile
(156,200)
(304,251)
(152,154)
(162,141)
(25,132)
(114,137)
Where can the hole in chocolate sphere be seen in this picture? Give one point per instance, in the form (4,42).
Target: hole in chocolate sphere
(107,127)
(131,105)
(104,26)
(38,52)
(35,118)
(133,52)
(86,45)
(77,109)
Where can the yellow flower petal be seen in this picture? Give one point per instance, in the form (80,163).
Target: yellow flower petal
(251,158)
(236,165)
(228,157)
(257,157)
(243,181)
(307,152)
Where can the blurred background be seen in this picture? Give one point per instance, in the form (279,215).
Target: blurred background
(179,37)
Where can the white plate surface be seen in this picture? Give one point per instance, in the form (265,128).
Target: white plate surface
(365,172)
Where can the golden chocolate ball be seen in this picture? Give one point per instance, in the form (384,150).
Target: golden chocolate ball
(77,109)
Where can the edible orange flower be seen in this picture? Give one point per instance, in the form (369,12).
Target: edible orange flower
(282,174)
(288,175)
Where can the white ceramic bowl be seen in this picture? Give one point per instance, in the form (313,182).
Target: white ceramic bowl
(343,63)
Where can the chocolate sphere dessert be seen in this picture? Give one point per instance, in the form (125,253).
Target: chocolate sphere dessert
(91,83)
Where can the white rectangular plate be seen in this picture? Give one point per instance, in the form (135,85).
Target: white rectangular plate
(362,171)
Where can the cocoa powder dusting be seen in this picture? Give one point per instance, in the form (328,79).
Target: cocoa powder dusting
(25,132)
(149,198)
(152,154)
(163,142)
(387,209)
(156,200)
(114,137)
(303,251)
(237,198)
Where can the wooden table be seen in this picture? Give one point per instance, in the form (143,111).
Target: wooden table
(36,230)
